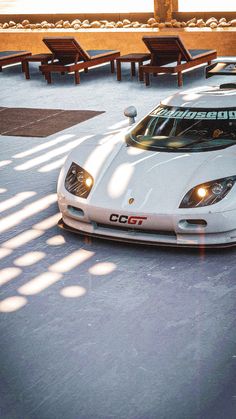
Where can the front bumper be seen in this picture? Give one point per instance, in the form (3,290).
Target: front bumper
(150,237)
(172,228)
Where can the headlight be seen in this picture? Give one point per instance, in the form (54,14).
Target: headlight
(78,181)
(208,193)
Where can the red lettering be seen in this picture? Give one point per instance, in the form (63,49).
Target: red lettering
(136,220)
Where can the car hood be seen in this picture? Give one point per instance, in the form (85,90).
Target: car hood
(156,181)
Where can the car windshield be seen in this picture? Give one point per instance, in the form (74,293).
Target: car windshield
(175,129)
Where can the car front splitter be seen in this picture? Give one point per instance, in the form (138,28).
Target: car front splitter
(64,226)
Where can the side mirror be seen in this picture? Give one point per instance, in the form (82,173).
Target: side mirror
(131,113)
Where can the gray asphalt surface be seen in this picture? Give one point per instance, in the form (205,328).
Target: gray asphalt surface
(92,329)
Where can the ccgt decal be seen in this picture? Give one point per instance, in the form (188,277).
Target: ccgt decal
(124,219)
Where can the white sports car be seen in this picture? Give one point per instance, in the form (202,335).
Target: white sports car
(169,179)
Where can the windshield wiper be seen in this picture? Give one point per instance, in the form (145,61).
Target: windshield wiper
(166,147)
(193,142)
(205,140)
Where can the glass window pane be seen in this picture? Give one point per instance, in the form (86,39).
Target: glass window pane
(207,5)
(76,6)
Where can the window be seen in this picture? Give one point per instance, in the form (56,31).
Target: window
(207,6)
(77,6)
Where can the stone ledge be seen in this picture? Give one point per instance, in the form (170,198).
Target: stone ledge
(54,17)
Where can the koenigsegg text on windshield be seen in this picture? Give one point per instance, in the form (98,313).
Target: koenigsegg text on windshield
(173,129)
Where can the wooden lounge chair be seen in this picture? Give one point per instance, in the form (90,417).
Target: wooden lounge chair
(69,56)
(12,57)
(166,50)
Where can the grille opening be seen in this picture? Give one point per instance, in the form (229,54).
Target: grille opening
(193,224)
(78,212)
(134,230)
(197,222)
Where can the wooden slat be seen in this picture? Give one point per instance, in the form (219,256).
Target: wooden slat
(67,47)
(159,45)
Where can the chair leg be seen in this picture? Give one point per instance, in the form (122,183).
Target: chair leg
(86,70)
(48,77)
(112,66)
(180,79)
(140,71)
(147,79)
(209,62)
(26,70)
(133,70)
(77,77)
(118,70)
(0,69)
